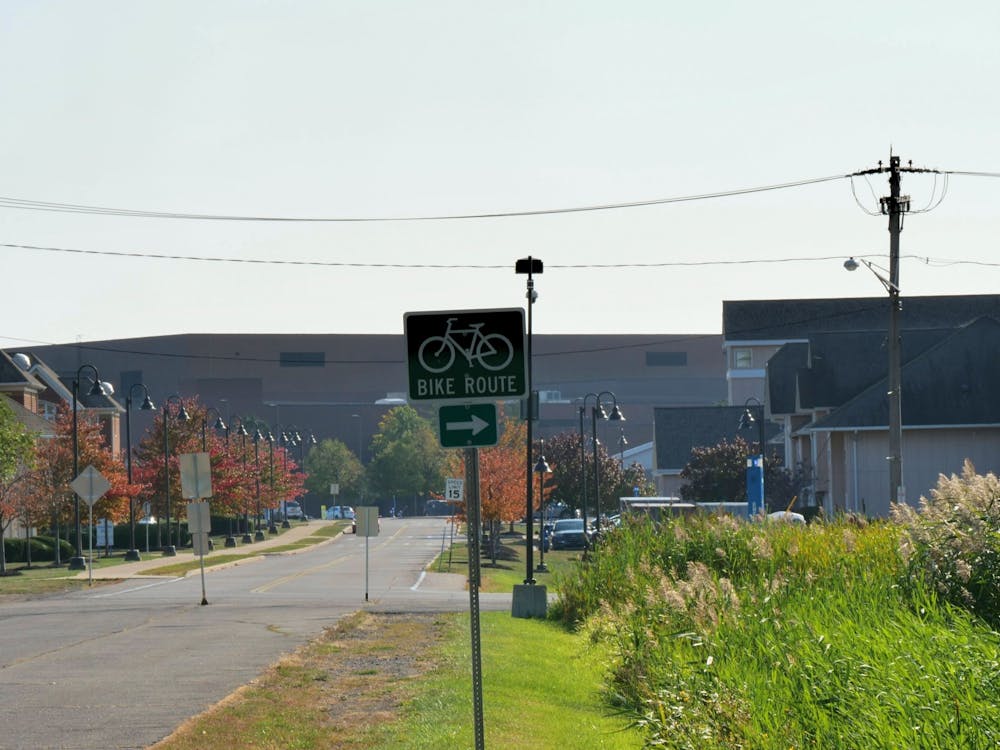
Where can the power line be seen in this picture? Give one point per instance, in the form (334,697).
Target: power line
(411,266)
(78,208)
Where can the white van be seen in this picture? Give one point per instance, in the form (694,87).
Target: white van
(337,512)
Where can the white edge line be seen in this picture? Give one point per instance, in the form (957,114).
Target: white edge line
(423,574)
(137,588)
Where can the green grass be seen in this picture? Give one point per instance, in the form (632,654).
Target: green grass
(542,688)
(723,634)
(511,566)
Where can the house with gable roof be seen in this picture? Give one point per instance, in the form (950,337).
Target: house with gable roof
(36,391)
(820,368)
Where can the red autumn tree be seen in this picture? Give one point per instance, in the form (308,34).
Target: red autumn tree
(50,497)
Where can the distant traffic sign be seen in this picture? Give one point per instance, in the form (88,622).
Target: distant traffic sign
(466,355)
(90,485)
(468,425)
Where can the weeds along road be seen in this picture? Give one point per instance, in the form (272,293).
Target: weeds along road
(120,666)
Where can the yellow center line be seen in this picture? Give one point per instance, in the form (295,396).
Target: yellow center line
(309,571)
(286,579)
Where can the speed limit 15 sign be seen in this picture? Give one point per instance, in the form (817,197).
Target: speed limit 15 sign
(454,490)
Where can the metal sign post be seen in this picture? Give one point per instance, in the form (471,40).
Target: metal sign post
(472,517)
(366,518)
(90,486)
(199,524)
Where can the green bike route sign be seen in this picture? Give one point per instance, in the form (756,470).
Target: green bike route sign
(466,355)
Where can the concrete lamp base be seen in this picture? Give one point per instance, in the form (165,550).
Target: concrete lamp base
(530,600)
(132,555)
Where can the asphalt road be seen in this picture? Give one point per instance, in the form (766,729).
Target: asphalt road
(121,666)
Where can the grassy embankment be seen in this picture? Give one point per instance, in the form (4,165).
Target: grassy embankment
(723,634)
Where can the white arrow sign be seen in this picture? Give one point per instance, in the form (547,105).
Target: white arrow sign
(475,424)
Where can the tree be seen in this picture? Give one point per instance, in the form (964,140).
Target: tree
(332,462)
(718,472)
(51,497)
(407,458)
(234,473)
(16,454)
(562,452)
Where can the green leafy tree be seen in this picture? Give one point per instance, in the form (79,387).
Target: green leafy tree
(332,462)
(407,459)
(16,454)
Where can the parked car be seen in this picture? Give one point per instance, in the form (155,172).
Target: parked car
(568,533)
(294,510)
(338,512)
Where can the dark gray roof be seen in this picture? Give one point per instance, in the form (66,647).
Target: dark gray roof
(951,383)
(783,369)
(783,320)
(679,429)
(835,367)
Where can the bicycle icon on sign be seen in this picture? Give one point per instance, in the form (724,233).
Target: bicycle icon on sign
(491,351)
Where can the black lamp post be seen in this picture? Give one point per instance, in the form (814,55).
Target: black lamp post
(287,440)
(597,412)
(529,266)
(271,528)
(747,419)
(182,416)
(257,437)
(242,432)
(542,468)
(147,405)
(77,562)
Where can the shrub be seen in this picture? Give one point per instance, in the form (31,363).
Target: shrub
(952,541)
(42,549)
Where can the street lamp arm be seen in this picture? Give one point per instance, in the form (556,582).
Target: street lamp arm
(852,265)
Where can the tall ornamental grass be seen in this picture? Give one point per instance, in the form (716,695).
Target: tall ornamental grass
(952,541)
(723,634)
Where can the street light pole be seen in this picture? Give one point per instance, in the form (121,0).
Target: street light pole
(542,468)
(529,266)
(894,206)
(242,432)
(182,416)
(147,405)
(257,437)
(616,416)
(271,528)
(77,562)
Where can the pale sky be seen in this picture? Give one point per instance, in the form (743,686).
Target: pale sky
(372,109)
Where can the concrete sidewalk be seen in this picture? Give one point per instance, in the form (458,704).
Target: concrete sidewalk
(154,559)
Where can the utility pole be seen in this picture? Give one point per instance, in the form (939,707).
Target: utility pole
(895,205)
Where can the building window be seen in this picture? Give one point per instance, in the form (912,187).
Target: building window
(303,359)
(742,359)
(666,359)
